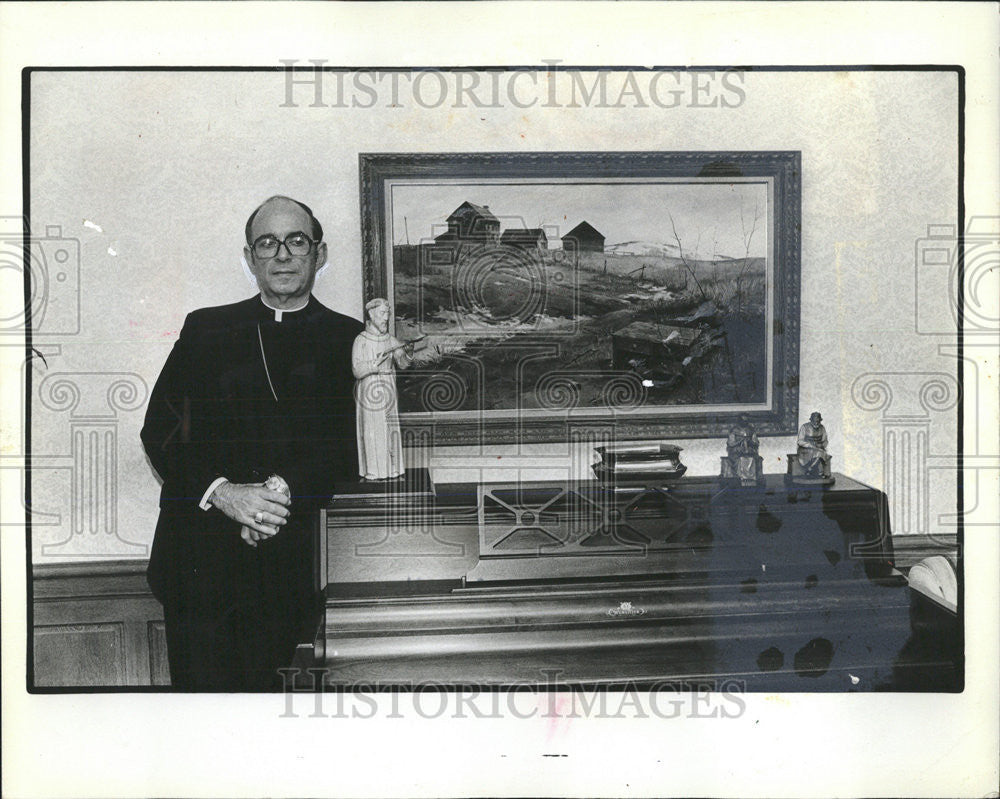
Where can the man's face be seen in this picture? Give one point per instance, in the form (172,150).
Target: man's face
(380,317)
(815,419)
(284,277)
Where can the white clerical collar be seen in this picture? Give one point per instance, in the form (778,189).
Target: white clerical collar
(279,311)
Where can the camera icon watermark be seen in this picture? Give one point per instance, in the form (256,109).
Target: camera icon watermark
(488,276)
(41,279)
(937,265)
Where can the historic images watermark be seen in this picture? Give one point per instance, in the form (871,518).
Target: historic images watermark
(52,262)
(949,273)
(305,696)
(938,257)
(310,83)
(75,486)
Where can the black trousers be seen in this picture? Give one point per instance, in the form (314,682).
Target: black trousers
(234,614)
(241,649)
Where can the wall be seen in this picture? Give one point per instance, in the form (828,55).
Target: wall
(153,174)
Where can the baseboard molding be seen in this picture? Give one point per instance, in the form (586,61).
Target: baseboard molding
(909,550)
(105,578)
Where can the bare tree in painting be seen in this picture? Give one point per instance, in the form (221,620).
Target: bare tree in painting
(747,239)
(684,261)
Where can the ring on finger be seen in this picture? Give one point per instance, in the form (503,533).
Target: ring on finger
(258,517)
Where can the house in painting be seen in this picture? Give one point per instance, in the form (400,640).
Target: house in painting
(525,238)
(470,224)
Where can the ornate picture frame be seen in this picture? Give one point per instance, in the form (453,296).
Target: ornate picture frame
(639,295)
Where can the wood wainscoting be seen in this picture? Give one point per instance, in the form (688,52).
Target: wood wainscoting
(97,625)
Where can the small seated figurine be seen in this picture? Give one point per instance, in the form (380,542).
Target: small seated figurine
(811,462)
(742,461)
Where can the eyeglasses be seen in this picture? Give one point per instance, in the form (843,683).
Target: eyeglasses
(297,243)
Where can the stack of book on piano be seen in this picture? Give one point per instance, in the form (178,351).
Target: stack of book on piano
(639,463)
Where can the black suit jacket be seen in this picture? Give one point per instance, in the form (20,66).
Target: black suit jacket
(212,414)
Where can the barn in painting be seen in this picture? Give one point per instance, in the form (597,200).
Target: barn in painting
(584,238)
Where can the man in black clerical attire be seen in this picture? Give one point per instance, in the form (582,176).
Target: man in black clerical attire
(255,390)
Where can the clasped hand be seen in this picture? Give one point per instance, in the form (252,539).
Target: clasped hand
(261,511)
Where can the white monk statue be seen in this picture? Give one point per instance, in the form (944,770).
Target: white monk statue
(375,356)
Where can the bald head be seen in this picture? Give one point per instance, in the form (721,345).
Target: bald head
(278,201)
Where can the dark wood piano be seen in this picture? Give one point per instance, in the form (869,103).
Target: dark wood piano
(695,583)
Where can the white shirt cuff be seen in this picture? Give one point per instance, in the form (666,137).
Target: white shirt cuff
(204,504)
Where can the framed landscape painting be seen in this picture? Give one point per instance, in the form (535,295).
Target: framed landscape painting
(638,294)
